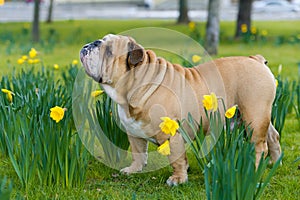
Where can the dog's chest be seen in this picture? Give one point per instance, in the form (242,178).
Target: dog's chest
(132,126)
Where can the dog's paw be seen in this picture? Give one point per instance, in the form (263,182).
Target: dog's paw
(174,180)
(131,170)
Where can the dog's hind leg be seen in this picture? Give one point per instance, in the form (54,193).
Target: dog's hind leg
(139,148)
(260,137)
(259,121)
(273,143)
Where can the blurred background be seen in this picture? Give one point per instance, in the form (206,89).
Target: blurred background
(20,10)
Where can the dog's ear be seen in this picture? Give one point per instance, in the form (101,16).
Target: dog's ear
(135,54)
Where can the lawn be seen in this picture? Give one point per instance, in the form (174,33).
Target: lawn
(60,44)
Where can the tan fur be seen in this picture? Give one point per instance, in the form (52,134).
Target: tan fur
(155,88)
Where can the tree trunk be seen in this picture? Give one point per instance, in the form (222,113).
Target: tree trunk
(50,9)
(213,27)
(36,21)
(183,12)
(244,16)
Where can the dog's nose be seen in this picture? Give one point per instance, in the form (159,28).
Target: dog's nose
(83,51)
(96,43)
(88,47)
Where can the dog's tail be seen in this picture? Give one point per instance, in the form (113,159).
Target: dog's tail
(260,59)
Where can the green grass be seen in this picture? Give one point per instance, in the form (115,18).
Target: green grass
(105,183)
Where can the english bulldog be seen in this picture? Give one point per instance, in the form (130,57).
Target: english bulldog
(147,87)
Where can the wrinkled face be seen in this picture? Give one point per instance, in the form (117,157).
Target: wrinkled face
(106,59)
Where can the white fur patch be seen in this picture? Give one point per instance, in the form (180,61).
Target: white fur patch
(132,126)
(111,92)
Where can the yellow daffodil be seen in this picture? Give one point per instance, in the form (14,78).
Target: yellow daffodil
(276,83)
(35,61)
(192,25)
(230,112)
(30,61)
(1,2)
(74,62)
(5,91)
(168,126)
(32,53)
(8,94)
(9,97)
(244,28)
(20,61)
(196,58)
(264,32)
(96,93)
(26,25)
(164,149)
(210,102)
(253,30)
(57,113)
(24,57)
(56,66)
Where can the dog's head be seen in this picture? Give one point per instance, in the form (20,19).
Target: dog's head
(107,59)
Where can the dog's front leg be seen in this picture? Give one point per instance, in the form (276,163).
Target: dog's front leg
(178,161)
(139,147)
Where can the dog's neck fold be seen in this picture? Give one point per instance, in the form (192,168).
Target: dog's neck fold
(125,91)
